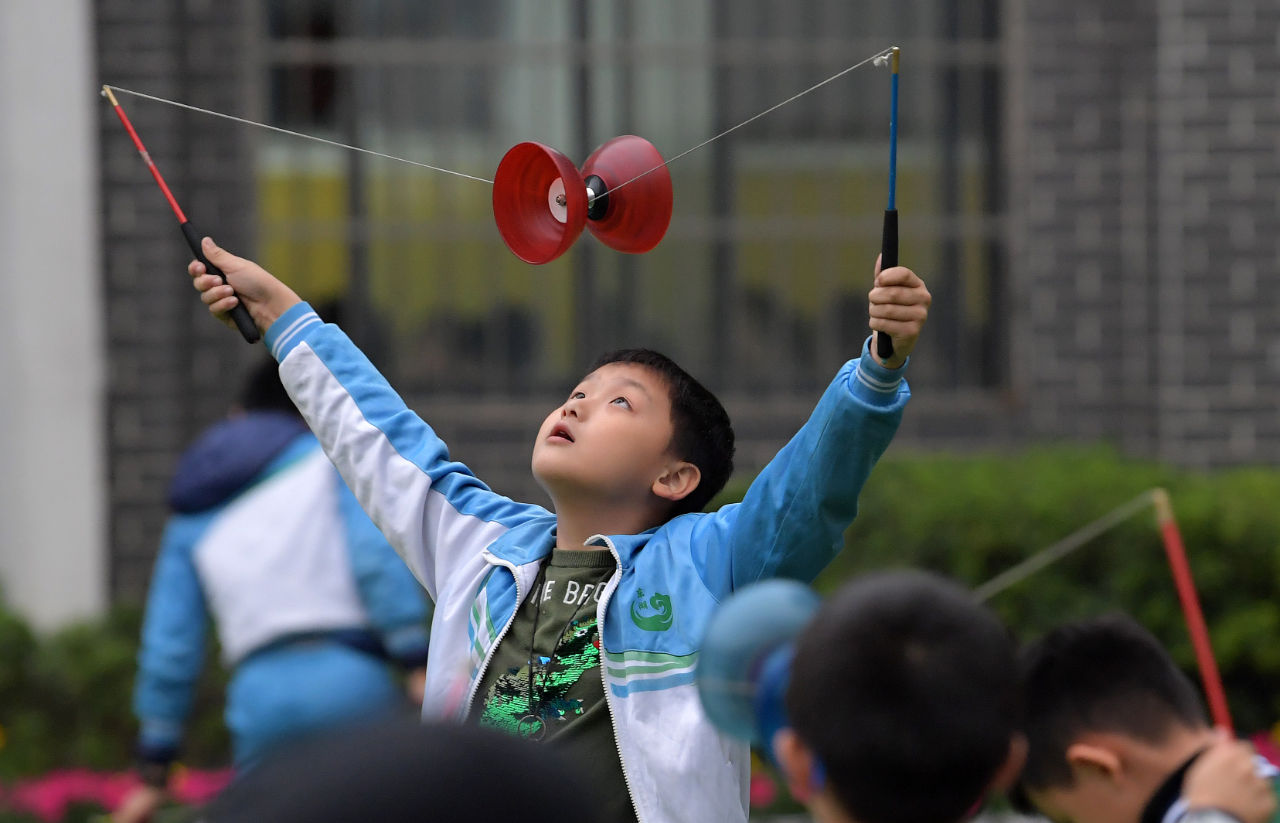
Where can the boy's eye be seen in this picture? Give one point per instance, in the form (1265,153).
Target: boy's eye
(621,401)
(577,395)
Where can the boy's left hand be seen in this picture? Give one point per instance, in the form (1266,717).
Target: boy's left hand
(1225,777)
(898,305)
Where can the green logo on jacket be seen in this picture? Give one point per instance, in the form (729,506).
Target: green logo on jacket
(653,614)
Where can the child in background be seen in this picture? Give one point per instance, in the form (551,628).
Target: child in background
(1117,734)
(895,701)
(309,601)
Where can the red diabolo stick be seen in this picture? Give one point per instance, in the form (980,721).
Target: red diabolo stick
(239,314)
(1181,569)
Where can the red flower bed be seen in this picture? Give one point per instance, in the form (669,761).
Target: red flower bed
(49,796)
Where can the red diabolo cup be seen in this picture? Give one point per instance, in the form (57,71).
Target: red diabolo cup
(639,214)
(541,202)
(530,181)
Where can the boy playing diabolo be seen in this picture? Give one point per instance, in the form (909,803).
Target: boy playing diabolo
(1116,733)
(582,626)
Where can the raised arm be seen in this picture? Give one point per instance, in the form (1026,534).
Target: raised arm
(433,510)
(172,652)
(791,522)
(397,606)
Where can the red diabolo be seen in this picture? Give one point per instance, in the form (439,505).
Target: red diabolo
(541,202)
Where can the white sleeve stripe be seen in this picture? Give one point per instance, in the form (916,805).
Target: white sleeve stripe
(882,386)
(294,329)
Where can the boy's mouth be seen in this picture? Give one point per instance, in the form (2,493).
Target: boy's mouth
(560,430)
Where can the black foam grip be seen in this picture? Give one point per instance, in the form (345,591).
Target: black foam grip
(248,329)
(888,259)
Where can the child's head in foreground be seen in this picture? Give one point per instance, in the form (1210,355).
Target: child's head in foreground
(902,703)
(637,432)
(1109,718)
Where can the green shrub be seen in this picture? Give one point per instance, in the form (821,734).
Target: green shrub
(66,700)
(972,517)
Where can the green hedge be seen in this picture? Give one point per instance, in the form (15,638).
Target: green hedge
(65,700)
(972,517)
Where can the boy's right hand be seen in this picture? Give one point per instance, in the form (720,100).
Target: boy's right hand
(1226,777)
(898,306)
(264,296)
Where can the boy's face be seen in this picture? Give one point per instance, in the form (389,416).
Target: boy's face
(611,438)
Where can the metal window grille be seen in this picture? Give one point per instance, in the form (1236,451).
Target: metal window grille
(759,286)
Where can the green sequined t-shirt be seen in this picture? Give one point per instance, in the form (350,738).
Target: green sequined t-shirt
(560,697)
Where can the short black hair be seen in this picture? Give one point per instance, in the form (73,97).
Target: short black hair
(1106,674)
(403,771)
(905,688)
(263,391)
(703,434)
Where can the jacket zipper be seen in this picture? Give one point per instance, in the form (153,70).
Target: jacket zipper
(604,679)
(604,603)
(484,666)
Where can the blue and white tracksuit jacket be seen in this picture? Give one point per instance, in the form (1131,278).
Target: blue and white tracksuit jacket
(307,596)
(478,553)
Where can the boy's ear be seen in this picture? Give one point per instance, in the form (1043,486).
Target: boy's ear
(1011,769)
(1088,760)
(798,764)
(678,481)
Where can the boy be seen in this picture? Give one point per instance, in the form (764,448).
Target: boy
(925,723)
(1116,734)
(898,704)
(625,573)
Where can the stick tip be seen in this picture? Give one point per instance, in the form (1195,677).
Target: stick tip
(1164,508)
(106,92)
(888,57)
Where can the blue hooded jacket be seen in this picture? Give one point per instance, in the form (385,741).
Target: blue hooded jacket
(267,540)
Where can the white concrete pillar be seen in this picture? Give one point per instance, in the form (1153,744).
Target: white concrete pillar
(53,528)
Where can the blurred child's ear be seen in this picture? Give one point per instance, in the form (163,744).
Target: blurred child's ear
(799,765)
(1011,769)
(678,481)
(1088,760)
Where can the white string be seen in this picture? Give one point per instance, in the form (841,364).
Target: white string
(1063,547)
(878,58)
(298,134)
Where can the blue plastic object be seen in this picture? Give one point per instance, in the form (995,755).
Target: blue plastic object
(744,665)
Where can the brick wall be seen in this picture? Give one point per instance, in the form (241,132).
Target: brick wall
(1145,219)
(1083,218)
(1219,231)
(166,357)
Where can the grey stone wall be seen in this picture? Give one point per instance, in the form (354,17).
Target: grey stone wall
(1219,230)
(1145,222)
(171,370)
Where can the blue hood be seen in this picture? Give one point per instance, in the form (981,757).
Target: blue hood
(228,457)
